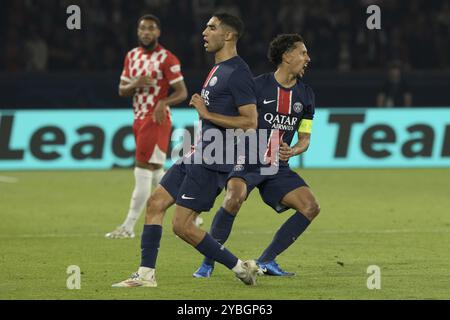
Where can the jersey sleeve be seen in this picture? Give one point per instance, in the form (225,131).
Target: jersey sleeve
(126,70)
(242,87)
(172,69)
(259,91)
(310,108)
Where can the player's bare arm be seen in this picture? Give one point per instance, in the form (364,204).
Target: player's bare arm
(128,89)
(301,146)
(247,119)
(178,95)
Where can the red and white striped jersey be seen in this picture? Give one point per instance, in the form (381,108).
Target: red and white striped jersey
(162,66)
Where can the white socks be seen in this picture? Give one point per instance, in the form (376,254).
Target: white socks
(238,267)
(146,273)
(157,176)
(141,193)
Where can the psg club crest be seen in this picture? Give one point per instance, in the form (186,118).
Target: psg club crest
(213,82)
(298,107)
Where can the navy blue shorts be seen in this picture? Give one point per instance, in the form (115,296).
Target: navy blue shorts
(272,188)
(193,186)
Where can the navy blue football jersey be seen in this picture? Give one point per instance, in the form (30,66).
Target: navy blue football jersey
(229,85)
(281,109)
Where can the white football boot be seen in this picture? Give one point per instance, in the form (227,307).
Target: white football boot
(136,281)
(120,233)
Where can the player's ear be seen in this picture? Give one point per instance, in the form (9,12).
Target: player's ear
(287,57)
(229,35)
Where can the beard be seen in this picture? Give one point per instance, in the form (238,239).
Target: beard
(213,49)
(149,46)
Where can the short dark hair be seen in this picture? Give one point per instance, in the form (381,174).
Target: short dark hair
(150,17)
(231,21)
(282,44)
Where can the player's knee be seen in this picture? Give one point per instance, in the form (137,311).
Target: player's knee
(155,205)
(312,209)
(233,201)
(178,228)
(189,231)
(178,231)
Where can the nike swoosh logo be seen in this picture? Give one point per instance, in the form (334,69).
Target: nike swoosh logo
(267,102)
(186,198)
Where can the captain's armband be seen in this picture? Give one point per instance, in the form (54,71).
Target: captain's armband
(305,126)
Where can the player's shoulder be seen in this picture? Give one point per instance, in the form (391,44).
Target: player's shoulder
(241,63)
(167,56)
(306,91)
(133,52)
(263,81)
(304,87)
(238,65)
(263,78)
(169,53)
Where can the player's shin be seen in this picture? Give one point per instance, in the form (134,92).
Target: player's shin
(220,229)
(151,237)
(285,236)
(141,193)
(217,252)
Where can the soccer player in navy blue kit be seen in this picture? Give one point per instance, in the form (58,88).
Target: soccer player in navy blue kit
(285,106)
(227,100)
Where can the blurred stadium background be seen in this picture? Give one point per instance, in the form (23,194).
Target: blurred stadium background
(79,69)
(383,104)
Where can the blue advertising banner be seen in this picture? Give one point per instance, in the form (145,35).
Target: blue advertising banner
(73,139)
(341,138)
(368,138)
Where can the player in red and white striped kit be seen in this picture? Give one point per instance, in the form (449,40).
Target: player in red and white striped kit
(149,72)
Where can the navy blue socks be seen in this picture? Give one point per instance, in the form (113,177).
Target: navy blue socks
(150,240)
(220,229)
(285,236)
(215,251)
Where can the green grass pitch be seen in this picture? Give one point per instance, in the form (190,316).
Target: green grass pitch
(397,219)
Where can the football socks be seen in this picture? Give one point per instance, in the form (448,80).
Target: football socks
(214,250)
(220,229)
(141,192)
(151,237)
(285,236)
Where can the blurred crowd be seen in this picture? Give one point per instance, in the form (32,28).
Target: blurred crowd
(35,38)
